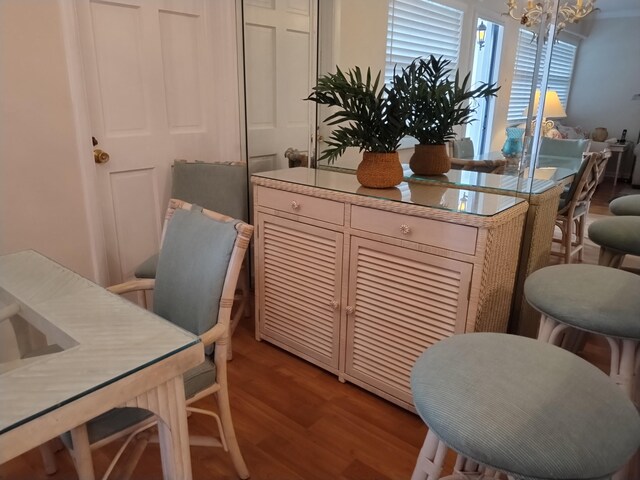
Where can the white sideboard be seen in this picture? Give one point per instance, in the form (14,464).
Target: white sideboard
(361,281)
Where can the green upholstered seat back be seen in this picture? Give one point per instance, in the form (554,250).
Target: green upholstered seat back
(191,269)
(563,148)
(215,186)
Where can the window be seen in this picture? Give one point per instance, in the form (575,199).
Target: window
(560,71)
(419,28)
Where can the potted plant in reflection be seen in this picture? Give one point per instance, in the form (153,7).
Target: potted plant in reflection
(435,103)
(367,115)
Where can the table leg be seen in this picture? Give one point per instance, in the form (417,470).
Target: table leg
(167,401)
(618,158)
(82,453)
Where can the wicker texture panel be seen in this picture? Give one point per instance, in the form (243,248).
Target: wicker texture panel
(402,306)
(299,284)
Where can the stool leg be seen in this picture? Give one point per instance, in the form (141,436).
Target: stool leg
(550,330)
(610,258)
(430,459)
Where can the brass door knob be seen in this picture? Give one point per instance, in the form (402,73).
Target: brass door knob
(100,156)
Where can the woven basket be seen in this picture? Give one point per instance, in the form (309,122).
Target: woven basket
(379,170)
(430,160)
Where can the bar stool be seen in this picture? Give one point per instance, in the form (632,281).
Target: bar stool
(521,407)
(617,237)
(595,299)
(629,205)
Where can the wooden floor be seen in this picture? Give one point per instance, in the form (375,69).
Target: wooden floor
(295,421)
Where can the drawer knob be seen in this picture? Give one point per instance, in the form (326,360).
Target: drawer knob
(405,229)
(295,205)
(334,305)
(350,310)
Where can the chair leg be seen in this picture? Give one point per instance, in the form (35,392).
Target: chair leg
(48,457)
(82,453)
(222,397)
(610,258)
(580,235)
(567,240)
(430,459)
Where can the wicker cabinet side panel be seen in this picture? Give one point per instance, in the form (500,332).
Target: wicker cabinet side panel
(299,282)
(401,302)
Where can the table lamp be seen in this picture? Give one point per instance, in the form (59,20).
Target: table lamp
(552,108)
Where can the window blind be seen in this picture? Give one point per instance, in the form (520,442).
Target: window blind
(419,28)
(560,72)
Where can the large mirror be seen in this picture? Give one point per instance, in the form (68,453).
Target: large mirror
(592,80)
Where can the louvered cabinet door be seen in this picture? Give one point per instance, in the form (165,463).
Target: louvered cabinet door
(401,302)
(300,279)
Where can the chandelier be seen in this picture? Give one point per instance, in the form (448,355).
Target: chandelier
(533,13)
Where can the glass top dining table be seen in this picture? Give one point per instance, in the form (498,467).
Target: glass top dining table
(71,350)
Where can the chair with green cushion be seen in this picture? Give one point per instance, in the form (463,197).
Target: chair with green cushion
(628,205)
(520,407)
(617,237)
(574,205)
(198,268)
(219,187)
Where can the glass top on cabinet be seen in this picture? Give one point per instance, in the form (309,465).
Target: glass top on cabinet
(419,193)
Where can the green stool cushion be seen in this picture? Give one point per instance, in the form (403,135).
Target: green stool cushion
(524,407)
(629,205)
(589,297)
(617,233)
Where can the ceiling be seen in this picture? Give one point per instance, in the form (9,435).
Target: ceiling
(611,8)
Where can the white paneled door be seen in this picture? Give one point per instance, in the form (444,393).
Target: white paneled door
(162,84)
(280,71)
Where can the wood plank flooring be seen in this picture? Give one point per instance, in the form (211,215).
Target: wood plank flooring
(295,421)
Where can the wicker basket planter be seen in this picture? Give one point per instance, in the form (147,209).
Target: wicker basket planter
(430,160)
(379,170)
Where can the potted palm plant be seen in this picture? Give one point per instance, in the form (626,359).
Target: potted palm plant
(435,103)
(367,115)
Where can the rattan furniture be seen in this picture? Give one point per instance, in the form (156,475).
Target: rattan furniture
(512,405)
(360,281)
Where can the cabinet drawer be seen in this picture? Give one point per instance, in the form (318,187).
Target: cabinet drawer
(459,238)
(304,205)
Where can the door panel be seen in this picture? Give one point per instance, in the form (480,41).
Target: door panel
(280,74)
(155,96)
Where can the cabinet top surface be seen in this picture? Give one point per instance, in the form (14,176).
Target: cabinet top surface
(432,195)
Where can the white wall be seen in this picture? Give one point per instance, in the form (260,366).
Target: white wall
(606,76)
(41,202)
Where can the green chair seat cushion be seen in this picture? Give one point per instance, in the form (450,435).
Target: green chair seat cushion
(617,233)
(147,269)
(594,298)
(117,419)
(524,407)
(628,205)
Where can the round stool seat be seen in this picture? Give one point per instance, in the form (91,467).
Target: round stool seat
(524,407)
(617,233)
(589,297)
(629,205)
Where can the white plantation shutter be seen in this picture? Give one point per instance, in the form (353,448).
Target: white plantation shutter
(560,72)
(419,28)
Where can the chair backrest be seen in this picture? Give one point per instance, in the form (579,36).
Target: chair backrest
(586,180)
(219,187)
(463,148)
(198,267)
(554,147)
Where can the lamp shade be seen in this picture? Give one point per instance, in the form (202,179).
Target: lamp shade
(552,106)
